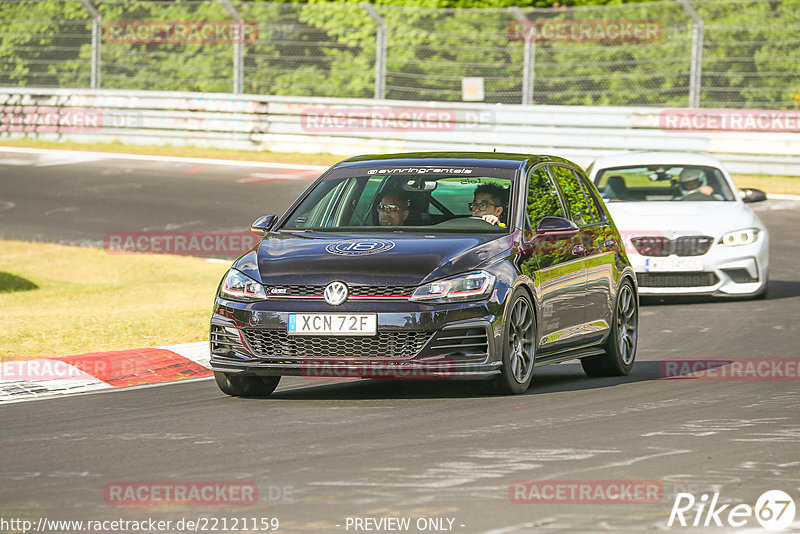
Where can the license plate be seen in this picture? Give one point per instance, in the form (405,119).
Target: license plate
(333,324)
(672,265)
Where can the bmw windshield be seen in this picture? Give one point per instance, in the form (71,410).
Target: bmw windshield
(662,183)
(455,200)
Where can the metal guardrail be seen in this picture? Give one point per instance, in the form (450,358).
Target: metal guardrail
(359,126)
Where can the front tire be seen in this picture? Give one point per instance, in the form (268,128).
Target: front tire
(237,385)
(519,345)
(621,343)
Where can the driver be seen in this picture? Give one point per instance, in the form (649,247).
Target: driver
(489,203)
(694,182)
(393,209)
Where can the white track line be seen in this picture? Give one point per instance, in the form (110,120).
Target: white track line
(173,159)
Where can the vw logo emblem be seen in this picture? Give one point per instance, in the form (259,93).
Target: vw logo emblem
(335,293)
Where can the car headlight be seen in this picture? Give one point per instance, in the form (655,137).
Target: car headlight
(464,287)
(239,286)
(747,236)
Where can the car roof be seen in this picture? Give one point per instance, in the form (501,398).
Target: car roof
(465,159)
(655,158)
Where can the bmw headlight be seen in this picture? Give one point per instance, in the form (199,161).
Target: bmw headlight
(239,286)
(747,236)
(464,287)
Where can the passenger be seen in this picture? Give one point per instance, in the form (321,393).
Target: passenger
(393,209)
(490,203)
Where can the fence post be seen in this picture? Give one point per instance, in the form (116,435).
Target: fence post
(696,69)
(97,20)
(529,55)
(238,47)
(380,53)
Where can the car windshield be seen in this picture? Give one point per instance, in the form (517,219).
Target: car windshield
(663,182)
(373,202)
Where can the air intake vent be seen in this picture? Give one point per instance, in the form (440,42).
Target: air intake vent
(460,341)
(676,279)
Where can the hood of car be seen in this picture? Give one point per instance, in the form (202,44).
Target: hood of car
(682,218)
(317,258)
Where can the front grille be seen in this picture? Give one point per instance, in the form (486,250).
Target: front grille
(279,344)
(695,245)
(740,276)
(699,279)
(460,341)
(652,245)
(277,292)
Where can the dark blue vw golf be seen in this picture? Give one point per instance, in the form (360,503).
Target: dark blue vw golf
(430,266)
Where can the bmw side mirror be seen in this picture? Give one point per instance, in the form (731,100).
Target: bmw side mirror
(753,195)
(556,227)
(261,226)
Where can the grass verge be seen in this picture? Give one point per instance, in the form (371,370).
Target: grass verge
(782,185)
(59,300)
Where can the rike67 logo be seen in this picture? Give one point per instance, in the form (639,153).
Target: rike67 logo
(774,510)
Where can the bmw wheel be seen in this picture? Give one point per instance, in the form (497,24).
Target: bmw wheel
(246,385)
(519,345)
(621,344)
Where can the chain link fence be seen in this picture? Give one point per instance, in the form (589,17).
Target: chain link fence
(676,53)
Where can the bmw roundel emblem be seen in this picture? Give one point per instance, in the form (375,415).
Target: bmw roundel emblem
(359,247)
(335,293)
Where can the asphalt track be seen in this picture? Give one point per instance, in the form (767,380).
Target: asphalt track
(323,451)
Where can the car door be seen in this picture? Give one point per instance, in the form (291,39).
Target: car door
(600,243)
(558,273)
(579,212)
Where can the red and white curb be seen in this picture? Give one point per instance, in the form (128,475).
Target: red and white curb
(82,373)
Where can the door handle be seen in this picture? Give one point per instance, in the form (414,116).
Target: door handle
(578,250)
(610,243)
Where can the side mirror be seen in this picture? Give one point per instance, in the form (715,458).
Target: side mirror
(556,227)
(753,195)
(261,226)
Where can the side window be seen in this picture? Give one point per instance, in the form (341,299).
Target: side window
(591,198)
(574,196)
(542,197)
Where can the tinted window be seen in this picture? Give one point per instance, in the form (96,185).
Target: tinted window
(591,198)
(574,196)
(542,197)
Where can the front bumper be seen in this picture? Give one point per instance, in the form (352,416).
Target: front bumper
(422,342)
(726,271)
